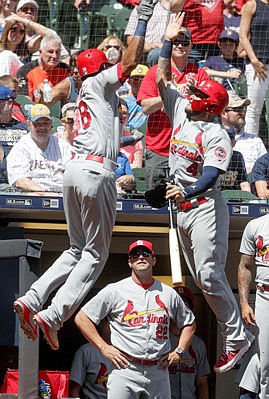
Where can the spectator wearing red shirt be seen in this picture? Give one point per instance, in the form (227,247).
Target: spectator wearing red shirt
(48,67)
(159,129)
(205,20)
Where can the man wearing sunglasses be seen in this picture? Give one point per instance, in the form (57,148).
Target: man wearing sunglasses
(139,310)
(250,145)
(159,130)
(200,153)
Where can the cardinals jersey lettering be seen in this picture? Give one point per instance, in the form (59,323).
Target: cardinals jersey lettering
(194,144)
(140,326)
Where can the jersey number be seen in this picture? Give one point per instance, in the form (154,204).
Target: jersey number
(85,117)
(161,332)
(193,169)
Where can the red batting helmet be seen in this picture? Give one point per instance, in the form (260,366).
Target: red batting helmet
(214,97)
(184,292)
(90,61)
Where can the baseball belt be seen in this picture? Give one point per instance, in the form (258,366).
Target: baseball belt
(141,361)
(262,287)
(194,203)
(107,163)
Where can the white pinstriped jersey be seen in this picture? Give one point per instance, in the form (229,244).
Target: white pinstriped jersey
(139,319)
(255,242)
(45,168)
(97,118)
(194,144)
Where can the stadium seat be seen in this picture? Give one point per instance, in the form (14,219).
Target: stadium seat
(55,7)
(239,196)
(55,109)
(85,19)
(25,103)
(116,17)
(139,174)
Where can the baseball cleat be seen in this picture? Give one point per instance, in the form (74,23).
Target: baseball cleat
(26,316)
(50,334)
(228,359)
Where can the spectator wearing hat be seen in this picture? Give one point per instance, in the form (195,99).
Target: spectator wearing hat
(136,116)
(36,163)
(67,131)
(189,379)
(13,84)
(47,67)
(236,177)
(250,145)
(159,129)
(11,130)
(27,13)
(226,68)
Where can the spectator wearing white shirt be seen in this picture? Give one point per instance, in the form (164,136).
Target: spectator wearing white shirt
(250,145)
(36,163)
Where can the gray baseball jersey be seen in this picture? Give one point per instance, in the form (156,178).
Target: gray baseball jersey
(139,319)
(97,118)
(194,145)
(89,195)
(90,370)
(193,364)
(255,242)
(203,230)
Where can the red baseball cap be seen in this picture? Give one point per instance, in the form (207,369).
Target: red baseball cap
(141,243)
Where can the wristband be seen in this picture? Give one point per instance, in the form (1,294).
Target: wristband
(166,50)
(141,28)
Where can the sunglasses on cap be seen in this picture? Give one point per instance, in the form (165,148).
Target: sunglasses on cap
(15,30)
(28,8)
(183,43)
(137,252)
(237,109)
(108,46)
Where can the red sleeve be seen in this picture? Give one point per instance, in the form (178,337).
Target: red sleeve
(148,88)
(121,78)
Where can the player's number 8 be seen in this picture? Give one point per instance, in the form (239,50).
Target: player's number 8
(85,117)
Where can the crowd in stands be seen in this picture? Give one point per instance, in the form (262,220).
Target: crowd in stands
(214,44)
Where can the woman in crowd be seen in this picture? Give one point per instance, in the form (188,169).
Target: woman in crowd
(254,37)
(113,48)
(12,48)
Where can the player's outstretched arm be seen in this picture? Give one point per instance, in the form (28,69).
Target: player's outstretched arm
(135,48)
(164,74)
(245,268)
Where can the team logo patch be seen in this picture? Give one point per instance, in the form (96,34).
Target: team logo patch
(220,153)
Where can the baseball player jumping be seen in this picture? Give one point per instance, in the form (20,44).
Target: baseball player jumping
(89,190)
(139,310)
(254,249)
(200,151)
